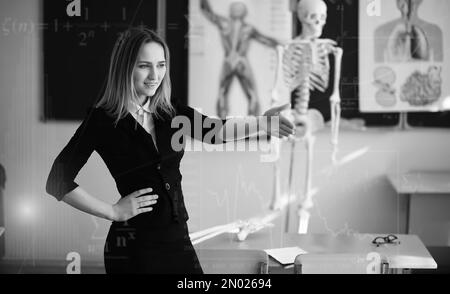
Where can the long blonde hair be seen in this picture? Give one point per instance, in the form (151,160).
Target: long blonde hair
(120,89)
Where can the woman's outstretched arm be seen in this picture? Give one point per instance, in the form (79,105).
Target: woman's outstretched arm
(272,122)
(210,130)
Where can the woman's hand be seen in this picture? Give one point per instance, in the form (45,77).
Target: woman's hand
(133,204)
(276,124)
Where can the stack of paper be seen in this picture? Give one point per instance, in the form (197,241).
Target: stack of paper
(285,255)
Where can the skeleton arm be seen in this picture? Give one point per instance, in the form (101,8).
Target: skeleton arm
(278,77)
(335,101)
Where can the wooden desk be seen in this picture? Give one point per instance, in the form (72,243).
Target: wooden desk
(409,254)
(420,182)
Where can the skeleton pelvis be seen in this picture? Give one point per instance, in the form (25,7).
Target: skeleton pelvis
(308,123)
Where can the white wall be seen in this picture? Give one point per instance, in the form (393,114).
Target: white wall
(219,187)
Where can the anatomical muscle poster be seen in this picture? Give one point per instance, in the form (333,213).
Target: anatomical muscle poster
(232,54)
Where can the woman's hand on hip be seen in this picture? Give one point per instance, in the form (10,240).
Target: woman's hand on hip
(134,204)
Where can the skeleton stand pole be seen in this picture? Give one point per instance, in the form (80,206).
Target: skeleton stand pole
(291,186)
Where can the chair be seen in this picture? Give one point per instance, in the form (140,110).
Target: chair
(372,263)
(2,177)
(233,261)
(2,211)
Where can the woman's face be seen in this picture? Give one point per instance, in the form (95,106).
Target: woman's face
(150,69)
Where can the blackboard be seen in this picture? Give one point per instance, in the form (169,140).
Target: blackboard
(342,26)
(77,49)
(177,30)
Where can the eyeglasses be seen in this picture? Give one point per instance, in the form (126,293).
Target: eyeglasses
(389,239)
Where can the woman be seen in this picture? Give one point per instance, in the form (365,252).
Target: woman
(131,129)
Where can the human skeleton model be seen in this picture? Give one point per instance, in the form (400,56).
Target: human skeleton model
(236,36)
(304,66)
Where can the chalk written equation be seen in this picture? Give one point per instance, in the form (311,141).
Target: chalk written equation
(83,22)
(84,32)
(12,26)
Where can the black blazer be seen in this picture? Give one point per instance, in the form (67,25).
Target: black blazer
(132,159)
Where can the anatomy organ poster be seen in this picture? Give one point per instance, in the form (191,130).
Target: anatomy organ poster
(404,58)
(232,55)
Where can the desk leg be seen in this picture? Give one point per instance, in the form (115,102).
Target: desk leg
(408,211)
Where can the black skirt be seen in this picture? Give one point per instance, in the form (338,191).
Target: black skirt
(145,250)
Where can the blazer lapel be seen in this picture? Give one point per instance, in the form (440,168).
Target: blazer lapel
(163,133)
(139,133)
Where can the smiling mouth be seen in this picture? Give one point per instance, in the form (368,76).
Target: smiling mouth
(151,85)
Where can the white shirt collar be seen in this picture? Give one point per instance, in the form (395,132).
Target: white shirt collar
(135,107)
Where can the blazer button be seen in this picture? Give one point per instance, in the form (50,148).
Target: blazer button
(167,186)
(158,167)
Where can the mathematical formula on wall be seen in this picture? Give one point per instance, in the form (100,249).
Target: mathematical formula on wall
(83,19)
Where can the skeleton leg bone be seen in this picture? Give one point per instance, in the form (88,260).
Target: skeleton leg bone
(307,203)
(276,202)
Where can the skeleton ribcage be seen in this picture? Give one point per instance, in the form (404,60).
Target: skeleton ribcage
(305,67)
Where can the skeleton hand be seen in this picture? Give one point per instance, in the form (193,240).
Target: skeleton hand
(251,227)
(335,98)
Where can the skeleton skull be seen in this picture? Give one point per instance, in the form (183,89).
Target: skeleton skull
(313,15)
